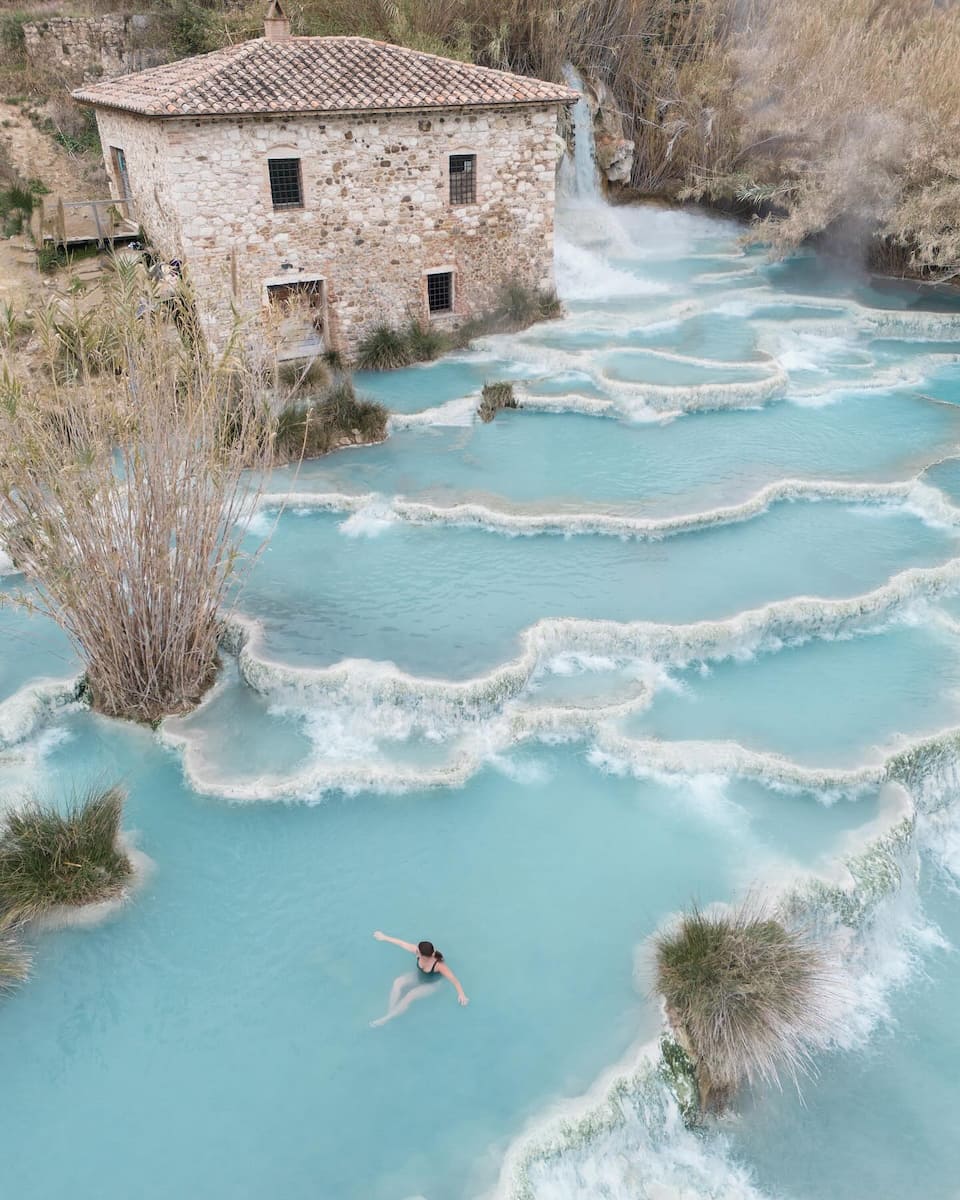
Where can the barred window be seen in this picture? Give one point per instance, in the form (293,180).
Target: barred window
(440,291)
(286,189)
(463,179)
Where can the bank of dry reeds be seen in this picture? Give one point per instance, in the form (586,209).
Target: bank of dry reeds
(748,997)
(852,110)
(121,496)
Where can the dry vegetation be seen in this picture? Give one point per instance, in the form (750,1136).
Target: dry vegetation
(863,124)
(748,998)
(337,417)
(122,490)
(14,959)
(51,857)
(493,398)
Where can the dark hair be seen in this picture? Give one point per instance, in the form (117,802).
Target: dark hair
(428,950)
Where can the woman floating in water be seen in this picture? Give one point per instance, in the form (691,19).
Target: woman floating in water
(419,983)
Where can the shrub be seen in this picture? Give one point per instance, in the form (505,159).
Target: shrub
(520,306)
(14,960)
(296,376)
(309,429)
(15,328)
(50,858)
(517,308)
(494,397)
(749,997)
(49,258)
(17,201)
(192,29)
(424,342)
(13,42)
(383,349)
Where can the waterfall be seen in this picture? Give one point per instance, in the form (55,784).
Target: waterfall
(579,179)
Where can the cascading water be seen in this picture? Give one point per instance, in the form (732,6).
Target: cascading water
(579,178)
(683,625)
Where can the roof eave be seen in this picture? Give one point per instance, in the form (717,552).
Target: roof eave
(92,102)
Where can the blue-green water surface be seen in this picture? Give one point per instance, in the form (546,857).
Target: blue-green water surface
(459,731)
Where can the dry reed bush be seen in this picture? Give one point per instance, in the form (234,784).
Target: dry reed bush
(750,998)
(853,111)
(123,495)
(50,858)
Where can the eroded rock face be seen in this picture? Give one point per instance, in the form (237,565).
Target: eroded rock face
(614,150)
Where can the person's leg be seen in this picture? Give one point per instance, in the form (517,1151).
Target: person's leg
(400,985)
(417,993)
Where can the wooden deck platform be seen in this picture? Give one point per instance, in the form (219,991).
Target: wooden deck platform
(68,224)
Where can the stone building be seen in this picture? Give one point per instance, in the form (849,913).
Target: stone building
(365,182)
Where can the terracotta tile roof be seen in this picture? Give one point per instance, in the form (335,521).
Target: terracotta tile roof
(315,75)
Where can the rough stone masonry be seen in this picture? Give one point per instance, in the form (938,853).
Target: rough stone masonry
(376,217)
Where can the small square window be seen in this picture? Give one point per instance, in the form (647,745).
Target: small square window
(463,179)
(440,292)
(286,190)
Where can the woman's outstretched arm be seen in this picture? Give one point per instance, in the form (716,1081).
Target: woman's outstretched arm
(409,946)
(448,974)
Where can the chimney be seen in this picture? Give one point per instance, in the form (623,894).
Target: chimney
(276,25)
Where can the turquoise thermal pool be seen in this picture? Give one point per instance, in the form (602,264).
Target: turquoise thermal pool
(682,626)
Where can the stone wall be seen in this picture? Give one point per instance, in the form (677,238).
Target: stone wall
(94,47)
(376,215)
(144,144)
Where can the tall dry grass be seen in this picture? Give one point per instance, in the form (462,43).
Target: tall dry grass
(851,117)
(121,496)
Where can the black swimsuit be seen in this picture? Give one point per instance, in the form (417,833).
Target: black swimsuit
(432,973)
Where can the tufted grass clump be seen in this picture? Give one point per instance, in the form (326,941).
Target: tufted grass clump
(307,429)
(520,306)
(749,997)
(424,342)
(50,858)
(383,349)
(14,959)
(494,397)
(517,307)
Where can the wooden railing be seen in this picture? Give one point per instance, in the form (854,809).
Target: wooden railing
(78,222)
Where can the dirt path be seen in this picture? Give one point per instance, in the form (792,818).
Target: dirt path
(20,281)
(35,155)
